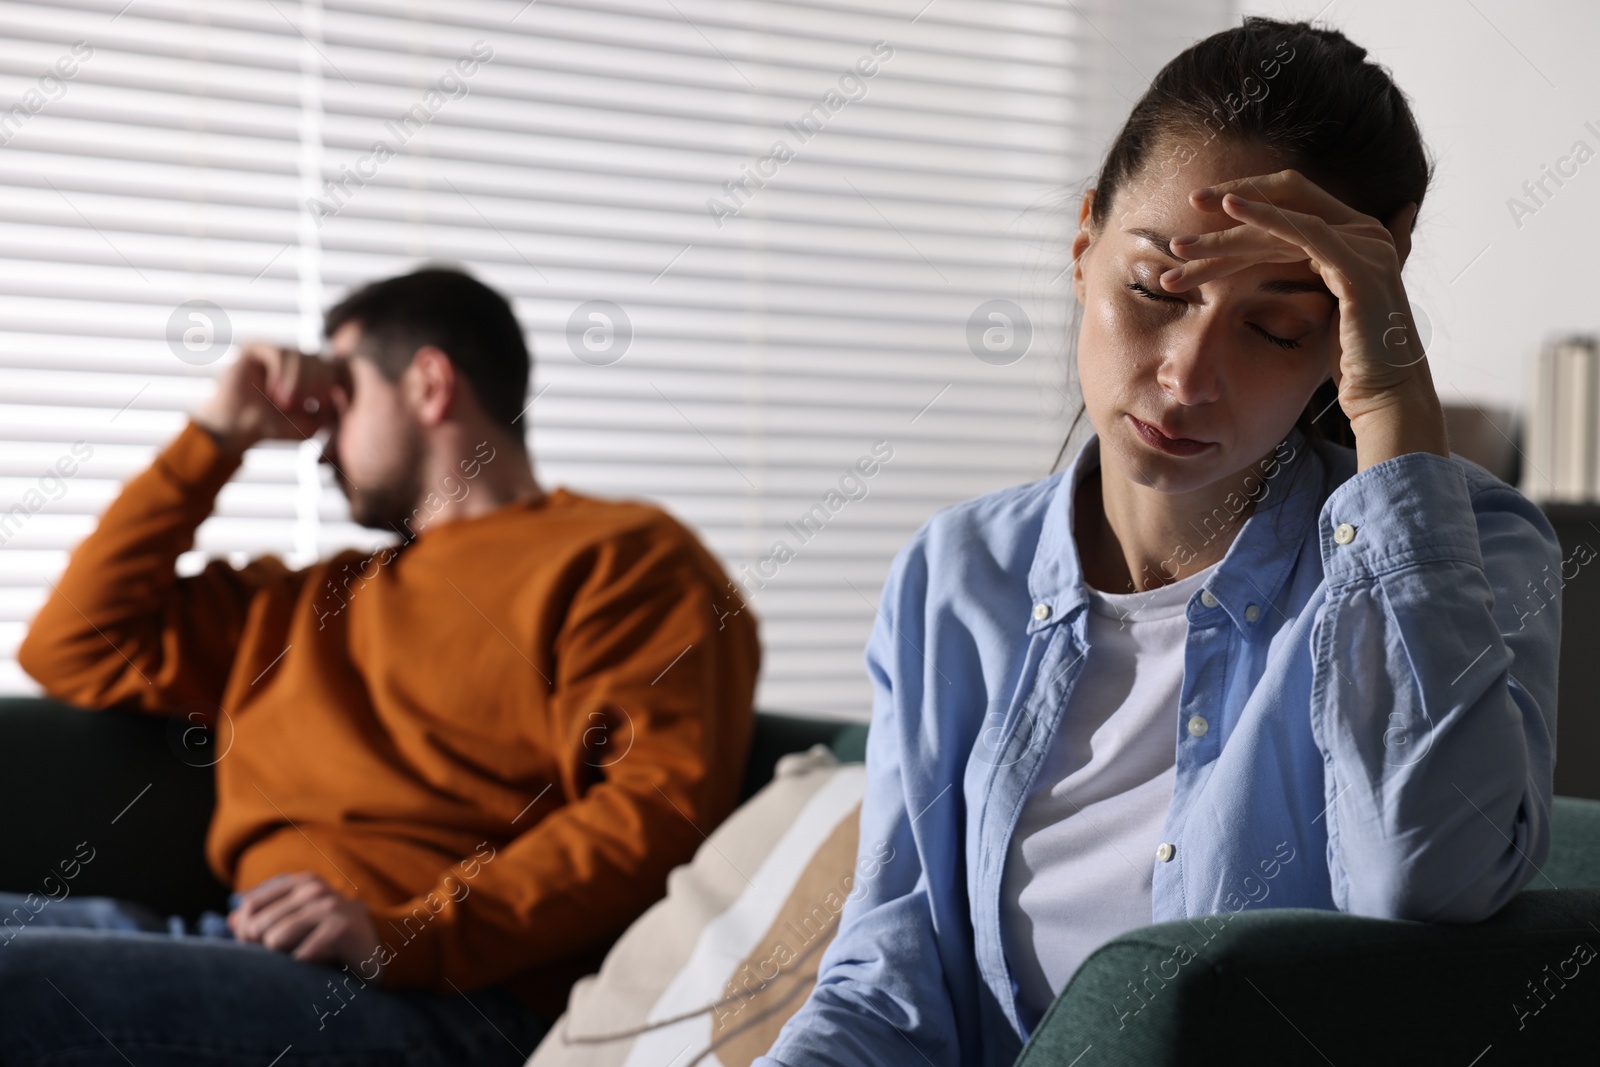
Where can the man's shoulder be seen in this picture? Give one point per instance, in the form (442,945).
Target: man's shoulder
(599,518)
(622,533)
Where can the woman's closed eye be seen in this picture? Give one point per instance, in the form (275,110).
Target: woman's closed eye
(1150,294)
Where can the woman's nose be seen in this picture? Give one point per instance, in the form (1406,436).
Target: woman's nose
(1191,370)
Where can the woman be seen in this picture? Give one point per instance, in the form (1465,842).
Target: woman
(1222,660)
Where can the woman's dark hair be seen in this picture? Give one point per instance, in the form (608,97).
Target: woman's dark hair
(450,309)
(1306,93)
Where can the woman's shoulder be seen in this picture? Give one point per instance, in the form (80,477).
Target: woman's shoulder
(975,553)
(999,524)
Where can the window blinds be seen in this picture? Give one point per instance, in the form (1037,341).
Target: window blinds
(795,270)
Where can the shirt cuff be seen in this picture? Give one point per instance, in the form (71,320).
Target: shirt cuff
(1409,509)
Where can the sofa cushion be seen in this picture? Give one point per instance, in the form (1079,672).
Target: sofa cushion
(719,964)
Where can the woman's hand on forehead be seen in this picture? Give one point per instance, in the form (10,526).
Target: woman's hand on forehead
(1248,243)
(1376,360)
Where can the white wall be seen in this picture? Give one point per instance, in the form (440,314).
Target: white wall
(1501,89)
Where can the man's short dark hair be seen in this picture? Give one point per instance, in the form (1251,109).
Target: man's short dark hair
(448,308)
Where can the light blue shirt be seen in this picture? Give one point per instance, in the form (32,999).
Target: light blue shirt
(1373,670)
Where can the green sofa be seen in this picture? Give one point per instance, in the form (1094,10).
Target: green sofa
(1274,986)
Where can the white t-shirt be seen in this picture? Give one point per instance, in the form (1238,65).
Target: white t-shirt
(1081,859)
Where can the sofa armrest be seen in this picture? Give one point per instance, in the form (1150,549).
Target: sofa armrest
(1304,986)
(116,787)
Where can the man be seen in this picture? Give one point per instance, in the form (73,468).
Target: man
(454,769)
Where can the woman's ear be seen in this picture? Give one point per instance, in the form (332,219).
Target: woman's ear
(1400,226)
(1080,243)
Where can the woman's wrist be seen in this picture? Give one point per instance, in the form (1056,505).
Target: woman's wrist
(1410,419)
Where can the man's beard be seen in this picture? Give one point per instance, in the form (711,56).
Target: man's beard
(390,506)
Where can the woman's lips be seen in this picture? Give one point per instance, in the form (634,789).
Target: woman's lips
(1172,446)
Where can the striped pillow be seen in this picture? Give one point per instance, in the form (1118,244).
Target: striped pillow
(713,970)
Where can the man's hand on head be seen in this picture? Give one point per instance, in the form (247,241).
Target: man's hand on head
(274,393)
(301,915)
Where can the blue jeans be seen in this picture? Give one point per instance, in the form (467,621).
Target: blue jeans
(91,980)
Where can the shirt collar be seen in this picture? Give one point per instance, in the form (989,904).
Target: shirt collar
(1251,574)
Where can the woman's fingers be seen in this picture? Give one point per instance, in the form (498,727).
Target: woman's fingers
(1234,241)
(1273,233)
(1270,233)
(1278,197)
(1199,271)
(1224,252)
(1311,233)
(1285,188)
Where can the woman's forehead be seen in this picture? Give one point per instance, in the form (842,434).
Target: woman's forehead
(1158,191)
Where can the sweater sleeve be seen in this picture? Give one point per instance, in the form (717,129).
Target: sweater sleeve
(119,626)
(1434,700)
(653,696)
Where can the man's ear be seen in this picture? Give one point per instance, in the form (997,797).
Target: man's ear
(435,383)
(1080,243)
(1400,226)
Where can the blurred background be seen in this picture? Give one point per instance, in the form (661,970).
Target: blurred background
(751,243)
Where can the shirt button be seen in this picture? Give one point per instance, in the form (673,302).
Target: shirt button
(1252,613)
(1207,599)
(1198,726)
(1165,851)
(1041,611)
(1344,533)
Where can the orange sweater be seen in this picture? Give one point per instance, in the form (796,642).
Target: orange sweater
(501,736)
